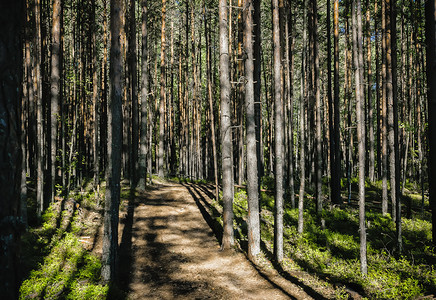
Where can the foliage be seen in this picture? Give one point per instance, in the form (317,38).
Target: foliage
(62,268)
(332,251)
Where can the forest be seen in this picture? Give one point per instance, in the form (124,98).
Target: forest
(300,133)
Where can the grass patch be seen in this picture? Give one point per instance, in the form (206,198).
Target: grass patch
(331,252)
(56,263)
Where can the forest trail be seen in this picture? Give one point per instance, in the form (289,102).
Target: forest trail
(168,251)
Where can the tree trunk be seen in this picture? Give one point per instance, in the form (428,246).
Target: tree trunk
(11,13)
(37,85)
(115,123)
(360,99)
(55,94)
(302,125)
(144,100)
(430,25)
(278,137)
(161,150)
(318,136)
(371,164)
(226,131)
(384,115)
(134,95)
(252,174)
(257,48)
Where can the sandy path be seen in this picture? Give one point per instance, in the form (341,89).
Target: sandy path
(168,251)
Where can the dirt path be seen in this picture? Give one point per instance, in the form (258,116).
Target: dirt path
(168,251)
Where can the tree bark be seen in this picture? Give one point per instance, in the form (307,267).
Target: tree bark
(360,99)
(226,132)
(161,150)
(252,173)
(430,25)
(144,147)
(11,17)
(278,131)
(55,94)
(303,89)
(134,95)
(115,124)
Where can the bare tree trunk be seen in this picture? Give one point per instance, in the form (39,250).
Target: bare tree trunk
(161,150)
(430,23)
(144,100)
(252,174)
(37,83)
(278,136)
(302,125)
(318,136)
(384,116)
(11,13)
(55,94)
(226,132)
(360,99)
(115,123)
(134,95)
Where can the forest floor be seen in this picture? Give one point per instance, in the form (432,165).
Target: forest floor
(168,251)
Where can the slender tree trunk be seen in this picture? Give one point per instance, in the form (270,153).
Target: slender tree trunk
(278,136)
(211,105)
(318,136)
(115,123)
(95,101)
(144,100)
(289,49)
(371,164)
(37,84)
(55,93)
(302,125)
(252,174)
(257,48)
(384,115)
(430,23)
(134,95)
(161,150)
(226,131)
(358,64)
(11,16)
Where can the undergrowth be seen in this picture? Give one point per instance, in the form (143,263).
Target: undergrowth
(332,252)
(59,265)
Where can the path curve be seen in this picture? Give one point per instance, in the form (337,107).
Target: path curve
(168,251)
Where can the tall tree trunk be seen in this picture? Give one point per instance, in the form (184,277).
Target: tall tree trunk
(371,164)
(257,48)
(302,124)
(55,94)
(11,14)
(289,49)
(335,159)
(95,100)
(318,136)
(278,136)
(37,85)
(360,99)
(134,95)
(252,174)
(226,131)
(394,158)
(115,123)
(144,147)
(211,105)
(161,150)
(384,115)
(430,25)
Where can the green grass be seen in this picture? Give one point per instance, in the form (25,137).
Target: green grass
(332,252)
(59,266)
